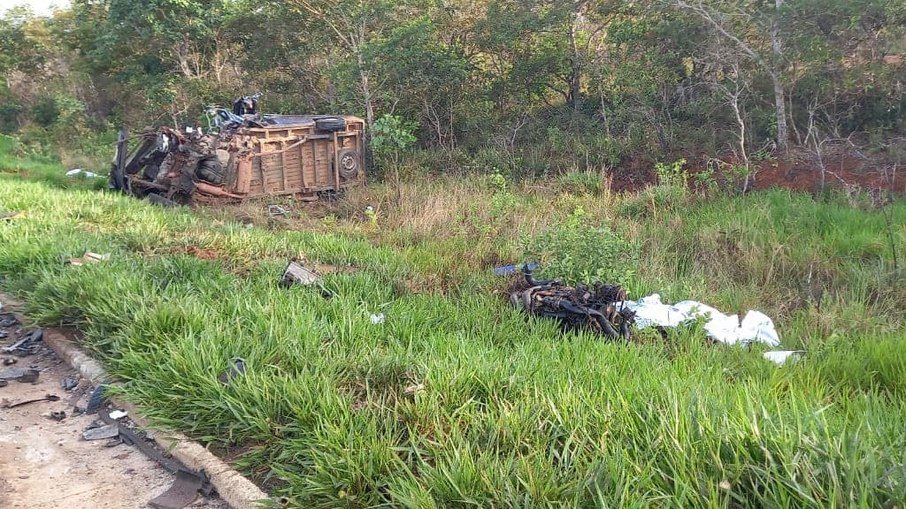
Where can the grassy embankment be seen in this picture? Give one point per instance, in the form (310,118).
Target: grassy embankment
(457,400)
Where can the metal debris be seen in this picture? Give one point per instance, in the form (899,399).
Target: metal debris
(58,415)
(49,397)
(578,308)
(26,345)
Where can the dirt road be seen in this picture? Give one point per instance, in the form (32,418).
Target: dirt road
(46,463)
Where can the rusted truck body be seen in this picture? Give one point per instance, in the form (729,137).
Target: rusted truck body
(243,157)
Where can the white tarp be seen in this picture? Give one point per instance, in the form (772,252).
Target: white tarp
(754,327)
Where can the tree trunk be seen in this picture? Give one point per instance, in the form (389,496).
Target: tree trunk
(783,134)
(575,75)
(366,90)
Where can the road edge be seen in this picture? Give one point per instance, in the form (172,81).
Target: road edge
(234,488)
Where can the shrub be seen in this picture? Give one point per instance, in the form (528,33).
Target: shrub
(579,252)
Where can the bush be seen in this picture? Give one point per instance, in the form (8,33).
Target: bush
(578,252)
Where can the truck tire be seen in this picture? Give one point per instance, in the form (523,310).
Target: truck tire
(330,124)
(210,170)
(348,166)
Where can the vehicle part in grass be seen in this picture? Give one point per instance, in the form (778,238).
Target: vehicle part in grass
(26,345)
(21,375)
(277,210)
(577,308)
(49,397)
(80,172)
(89,257)
(236,369)
(508,270)
(296,273)
(242,156)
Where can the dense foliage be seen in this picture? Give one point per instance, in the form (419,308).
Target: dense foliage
(526,87)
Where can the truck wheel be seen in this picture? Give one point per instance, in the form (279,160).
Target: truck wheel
(209,169)
(348,166)
(330,124)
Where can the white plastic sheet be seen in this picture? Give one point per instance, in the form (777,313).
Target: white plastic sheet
(754,327)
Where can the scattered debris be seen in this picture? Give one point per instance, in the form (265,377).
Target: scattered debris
(49,397)
(3,383)
(296,273)
(118,414)
(69,383)
(23,375)
(755,326)
(188,483)
(277,210)
(26,345)
(8,320)
(58,415)
(509,270)
(780,357)
(597,308)
(9,361)
(377,319)
(96,399)
(89,257)
(236,369)
(101,432)
(80,172)
(10,215)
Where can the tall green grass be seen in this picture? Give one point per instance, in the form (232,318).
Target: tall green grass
(458,400)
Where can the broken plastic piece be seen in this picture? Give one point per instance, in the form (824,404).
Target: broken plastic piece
(118,414)
(377,319)
(507,270)
(26,345)
(89,257)
(101,433)
(78,171)
(23,375)
(277,210)
(295,273)
(96,400)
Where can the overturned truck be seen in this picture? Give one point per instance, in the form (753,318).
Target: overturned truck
(242,155)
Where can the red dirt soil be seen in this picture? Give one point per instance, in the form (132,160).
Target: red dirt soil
(796,172)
